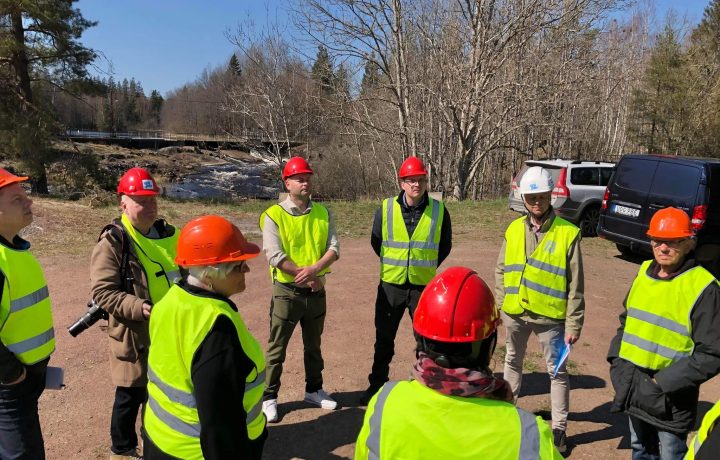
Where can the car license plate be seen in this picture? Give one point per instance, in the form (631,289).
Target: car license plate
(625,211)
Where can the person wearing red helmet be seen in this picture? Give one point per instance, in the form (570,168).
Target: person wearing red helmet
(27,337)
(131,268)
(206,371)
(455,407)
(411,235)
(668,342)
(300,243)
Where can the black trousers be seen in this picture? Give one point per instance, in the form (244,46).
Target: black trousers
(124,416)
(20,435)
(390,305)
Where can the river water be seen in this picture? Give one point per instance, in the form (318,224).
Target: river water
(228,180)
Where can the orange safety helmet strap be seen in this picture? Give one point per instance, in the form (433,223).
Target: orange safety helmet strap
(8,178)
(210,240)
(413,166)
(670,223)
(295,166)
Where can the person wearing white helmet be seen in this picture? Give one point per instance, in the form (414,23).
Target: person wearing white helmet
(539,284)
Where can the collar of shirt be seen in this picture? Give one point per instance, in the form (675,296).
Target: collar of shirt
(545,222)
(290,206)
(17,243)
(421,205)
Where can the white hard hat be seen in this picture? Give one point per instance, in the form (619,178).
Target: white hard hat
(536,180)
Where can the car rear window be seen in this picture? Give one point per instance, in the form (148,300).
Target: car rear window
(678,181)
(585,176)
(635,174)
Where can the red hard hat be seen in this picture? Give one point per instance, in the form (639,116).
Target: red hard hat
(210,240)
(294,166)
(456,306)
(670,223)
(137,181)
(413,166)
(8,178)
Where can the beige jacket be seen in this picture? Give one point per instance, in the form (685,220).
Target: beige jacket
(127,327)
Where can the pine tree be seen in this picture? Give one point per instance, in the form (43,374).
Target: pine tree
(322,70)
(156,103)
(39,45)
(371,76)
(234,66)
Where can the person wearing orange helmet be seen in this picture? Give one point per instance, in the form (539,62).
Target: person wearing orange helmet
(668,342)
(300,243)
(455,407)
(412,235)
(206,371)
(131,268)
(27,337)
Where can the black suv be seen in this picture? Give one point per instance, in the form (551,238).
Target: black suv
(643,184)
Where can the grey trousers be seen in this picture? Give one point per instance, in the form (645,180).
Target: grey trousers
(518,334)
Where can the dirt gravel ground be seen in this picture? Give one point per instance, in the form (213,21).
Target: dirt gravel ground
(76,420)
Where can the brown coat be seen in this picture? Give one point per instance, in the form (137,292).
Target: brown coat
(127,327)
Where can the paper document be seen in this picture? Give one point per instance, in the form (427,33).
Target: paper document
(54,378)
(561,360)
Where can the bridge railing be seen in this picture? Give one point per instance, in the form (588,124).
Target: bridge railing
(147,134)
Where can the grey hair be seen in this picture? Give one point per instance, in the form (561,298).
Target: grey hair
(211,272)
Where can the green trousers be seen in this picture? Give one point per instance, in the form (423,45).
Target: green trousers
(290,306)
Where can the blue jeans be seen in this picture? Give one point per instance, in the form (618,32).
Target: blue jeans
(20,435)
(650,443)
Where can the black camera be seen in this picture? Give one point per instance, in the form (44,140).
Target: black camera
(93,315)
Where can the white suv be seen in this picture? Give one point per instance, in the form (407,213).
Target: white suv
(578,192)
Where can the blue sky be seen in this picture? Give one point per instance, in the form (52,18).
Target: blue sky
(166,43)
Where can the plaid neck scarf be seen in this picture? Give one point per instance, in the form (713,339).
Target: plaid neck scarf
(461,381)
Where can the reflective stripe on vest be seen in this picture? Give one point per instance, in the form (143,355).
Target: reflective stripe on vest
(529,442)
(537,283)
(26,323)
(658,330)
(708,424)
(179,324)
(157,257)
(304,238)
(405,258)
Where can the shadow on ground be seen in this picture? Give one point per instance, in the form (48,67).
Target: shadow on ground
(317,438)
(538,383)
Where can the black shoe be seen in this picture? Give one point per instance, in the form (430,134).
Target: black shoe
(367,396)
(560,440)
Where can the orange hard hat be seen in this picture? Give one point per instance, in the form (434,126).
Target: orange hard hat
(8,178)
(670,223)
(210,240)
(294,166)
(137,181)
(413,166)
(456,306)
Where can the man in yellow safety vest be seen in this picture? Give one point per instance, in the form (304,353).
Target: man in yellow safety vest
(27,337)
(668,342)
(539,283)
(455,408)
(300,243)
(131,268)
(412,235)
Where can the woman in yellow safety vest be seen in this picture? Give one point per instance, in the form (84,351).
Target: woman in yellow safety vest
(206,372)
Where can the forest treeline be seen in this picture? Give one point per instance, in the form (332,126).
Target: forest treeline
(474,88)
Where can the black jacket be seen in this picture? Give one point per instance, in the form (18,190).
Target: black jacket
(670,401)
(411,216)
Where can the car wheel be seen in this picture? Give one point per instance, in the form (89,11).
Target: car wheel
(625,250)
(589,222)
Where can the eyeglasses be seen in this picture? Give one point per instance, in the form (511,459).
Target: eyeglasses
(420,181)
(672,244)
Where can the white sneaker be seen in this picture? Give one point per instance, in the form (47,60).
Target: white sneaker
(270,410)
(321,399)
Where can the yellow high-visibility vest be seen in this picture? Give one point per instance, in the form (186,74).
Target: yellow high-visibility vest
(26,323)
(537,283)
(157,257)
(658,331)
(178,325)
(410,258)
(708,424)
(407,420)
(304,237)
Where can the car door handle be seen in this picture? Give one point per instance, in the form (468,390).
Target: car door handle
(658,205)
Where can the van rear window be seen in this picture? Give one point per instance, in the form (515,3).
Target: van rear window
(635,174)
(678,181)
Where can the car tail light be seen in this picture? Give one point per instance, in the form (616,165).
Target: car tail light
(606,196)
(698,217)
(561,186)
